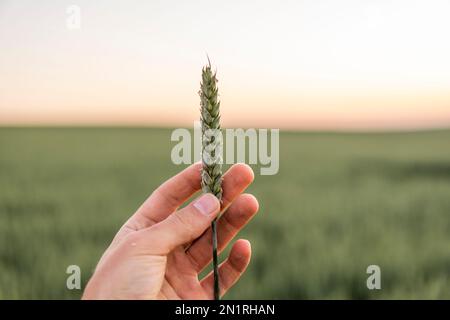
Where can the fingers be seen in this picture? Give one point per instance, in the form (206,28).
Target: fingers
(175,191)
(230,270)
(234,219)
(180,227)
(171,194)
(235,180)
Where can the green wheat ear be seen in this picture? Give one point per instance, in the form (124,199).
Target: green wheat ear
(211,170)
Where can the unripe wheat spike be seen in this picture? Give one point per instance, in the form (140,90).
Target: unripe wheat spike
(212,163)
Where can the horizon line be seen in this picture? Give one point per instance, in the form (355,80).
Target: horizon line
(168,127)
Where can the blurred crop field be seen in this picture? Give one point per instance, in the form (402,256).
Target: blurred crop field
(340,202)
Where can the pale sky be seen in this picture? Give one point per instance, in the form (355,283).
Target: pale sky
(315,64)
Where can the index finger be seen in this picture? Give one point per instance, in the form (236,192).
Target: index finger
(171,194)
(177,190)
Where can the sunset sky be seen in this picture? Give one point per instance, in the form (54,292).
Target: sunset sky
(316,64)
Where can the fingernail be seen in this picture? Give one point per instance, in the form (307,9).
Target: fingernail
(207,204)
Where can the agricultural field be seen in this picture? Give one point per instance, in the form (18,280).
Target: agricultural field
(339,203)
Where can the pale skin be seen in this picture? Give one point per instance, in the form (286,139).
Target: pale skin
(160,251)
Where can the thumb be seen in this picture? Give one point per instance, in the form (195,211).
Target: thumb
(182,226)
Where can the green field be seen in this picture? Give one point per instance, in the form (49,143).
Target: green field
(339,203)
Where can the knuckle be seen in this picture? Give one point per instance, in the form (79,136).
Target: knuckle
(229,226)
(185,221)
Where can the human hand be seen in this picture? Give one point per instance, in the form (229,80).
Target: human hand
(160,251)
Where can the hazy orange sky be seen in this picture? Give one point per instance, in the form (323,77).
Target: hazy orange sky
(313,64)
